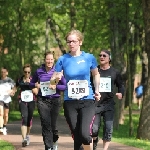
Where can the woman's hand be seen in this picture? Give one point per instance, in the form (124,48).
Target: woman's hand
(97,96)
(55,78)
(37,85)
(53,87)
(35,91)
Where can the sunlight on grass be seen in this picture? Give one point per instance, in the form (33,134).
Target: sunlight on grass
(16,115)
(5,145)
(122,134)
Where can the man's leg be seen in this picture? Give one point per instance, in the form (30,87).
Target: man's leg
(1,117)
(108,117)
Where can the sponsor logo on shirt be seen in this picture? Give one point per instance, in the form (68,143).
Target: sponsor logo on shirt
(80,61)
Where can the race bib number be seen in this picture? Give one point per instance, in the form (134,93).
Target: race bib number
(78,88)
(4,88)
(44,86)
(105,85)
(27,96)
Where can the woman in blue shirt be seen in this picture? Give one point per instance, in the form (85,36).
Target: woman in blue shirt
(79,99)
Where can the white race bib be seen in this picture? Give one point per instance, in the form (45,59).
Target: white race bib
(4,88)
(27,96)
(105,84)
(44,86)
(78,89)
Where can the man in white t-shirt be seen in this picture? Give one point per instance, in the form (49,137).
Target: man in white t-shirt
(7,89)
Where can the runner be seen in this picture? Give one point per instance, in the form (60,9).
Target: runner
(48,100)
(79,102)
(7,89)
(139,94)
(26,103)
(110,77)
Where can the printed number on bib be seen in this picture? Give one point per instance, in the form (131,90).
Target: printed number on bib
(105,85)
(27,96)
(44,86)
(78,88)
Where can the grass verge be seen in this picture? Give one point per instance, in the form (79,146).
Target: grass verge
(121,135)
(5,145)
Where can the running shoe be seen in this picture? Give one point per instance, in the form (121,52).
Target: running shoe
(95,143)
(55,146)
(1,131)
(4,131)
(28,139)
(24,143)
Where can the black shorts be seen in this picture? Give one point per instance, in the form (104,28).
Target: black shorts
(139,96)
(5,105)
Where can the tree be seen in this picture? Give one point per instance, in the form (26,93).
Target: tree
(144,123)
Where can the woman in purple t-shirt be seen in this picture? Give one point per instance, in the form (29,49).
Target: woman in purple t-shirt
(48,99)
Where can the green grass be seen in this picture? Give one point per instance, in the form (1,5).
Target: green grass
(15,115)
(122,134)
(5,145)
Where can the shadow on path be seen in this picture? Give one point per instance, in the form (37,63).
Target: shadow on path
(36,141)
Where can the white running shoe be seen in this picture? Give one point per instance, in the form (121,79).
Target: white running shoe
(4,131)
(1,131)
(55,145)
(24,143)
(28,139)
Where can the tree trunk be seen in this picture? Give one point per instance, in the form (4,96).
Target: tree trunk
(144,123)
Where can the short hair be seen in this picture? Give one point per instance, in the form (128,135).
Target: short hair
(4,67)
(77,33)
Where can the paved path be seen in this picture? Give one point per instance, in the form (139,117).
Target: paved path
(65,140)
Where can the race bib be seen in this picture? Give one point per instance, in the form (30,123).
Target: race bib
(105,85)
(4,88)
(78,89)
(44,86)
(27,96)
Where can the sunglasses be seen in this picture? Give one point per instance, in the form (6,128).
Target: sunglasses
(100,55)
(26,72)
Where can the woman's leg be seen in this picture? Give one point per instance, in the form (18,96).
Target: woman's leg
(24,114)
(71,112)
(87,114)
(31,107)
(44,109)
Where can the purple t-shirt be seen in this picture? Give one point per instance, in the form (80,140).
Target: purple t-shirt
(41,75)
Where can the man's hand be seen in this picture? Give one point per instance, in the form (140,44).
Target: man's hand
(119,95)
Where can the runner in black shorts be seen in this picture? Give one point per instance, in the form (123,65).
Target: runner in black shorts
(7,89)
(26,103)
(79,98)
(109,77)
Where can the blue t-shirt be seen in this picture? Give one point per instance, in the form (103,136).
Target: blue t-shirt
(77,68)
(139,90)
